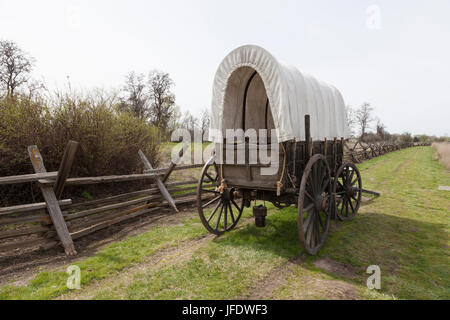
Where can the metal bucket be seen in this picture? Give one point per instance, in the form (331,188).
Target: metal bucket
(260,213)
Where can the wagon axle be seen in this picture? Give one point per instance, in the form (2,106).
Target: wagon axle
(321,203)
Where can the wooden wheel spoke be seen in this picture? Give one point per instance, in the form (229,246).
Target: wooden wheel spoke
(309,210)
(314,172)
(325,185)
(214,212)
(319,179)
(343,204)
(231,212)
(351,205)
(315,177)
(317,233)
(225,216)
(211,191)
(211,202)
(320,221)
(235,204)
(309,207)
(209,177)
(351,175)
(218,219)
(311,185)
(309,230)
(324,175)
(346,176)
(309,196)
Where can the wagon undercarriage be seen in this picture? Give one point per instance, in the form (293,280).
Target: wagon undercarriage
(313,178)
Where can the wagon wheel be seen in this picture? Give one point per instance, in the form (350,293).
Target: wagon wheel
(218,211)
(347,188)
(314,204)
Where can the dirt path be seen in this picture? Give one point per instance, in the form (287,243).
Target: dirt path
(161,259)
(398,167)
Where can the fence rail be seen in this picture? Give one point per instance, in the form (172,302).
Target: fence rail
(60,221)
(360,151)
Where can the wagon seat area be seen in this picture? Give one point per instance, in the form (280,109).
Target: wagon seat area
(246,105)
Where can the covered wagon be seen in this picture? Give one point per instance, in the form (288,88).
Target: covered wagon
(300,123)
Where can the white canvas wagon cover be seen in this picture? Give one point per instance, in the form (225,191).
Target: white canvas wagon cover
(252,74)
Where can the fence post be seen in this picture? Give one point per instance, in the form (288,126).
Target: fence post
(162,188)
(64,168)
(174,164)
(52,203)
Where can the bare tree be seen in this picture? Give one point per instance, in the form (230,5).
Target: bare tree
(137,97)
(350,117)
(162,100)
(189,122)
(382,133)
(364,118)
(175,120)
(15,66)
(205,121)
(33,87)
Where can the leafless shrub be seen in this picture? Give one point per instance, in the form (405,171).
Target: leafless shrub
(442,153)
(109,140)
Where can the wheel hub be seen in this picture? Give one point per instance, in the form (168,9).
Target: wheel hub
(226,195)
(349,191)
(321,203)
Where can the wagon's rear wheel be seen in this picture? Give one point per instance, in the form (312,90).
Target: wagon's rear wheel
(219,211)
(347,188)
(314,204)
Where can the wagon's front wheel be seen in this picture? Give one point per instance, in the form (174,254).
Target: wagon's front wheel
(347,188)
(314,204)
(219,210)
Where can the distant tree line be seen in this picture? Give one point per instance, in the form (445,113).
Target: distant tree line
(362,120)
(148,97)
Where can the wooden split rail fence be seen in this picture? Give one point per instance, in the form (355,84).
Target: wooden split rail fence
(59,221)
(361,151)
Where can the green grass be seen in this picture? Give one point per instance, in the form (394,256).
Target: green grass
(167,147)
(405,232)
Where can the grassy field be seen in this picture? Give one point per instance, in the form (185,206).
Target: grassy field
(405,232)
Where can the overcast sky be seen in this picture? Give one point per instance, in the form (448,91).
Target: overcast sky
(393,54)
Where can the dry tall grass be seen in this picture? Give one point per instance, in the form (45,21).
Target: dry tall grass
(442,153)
